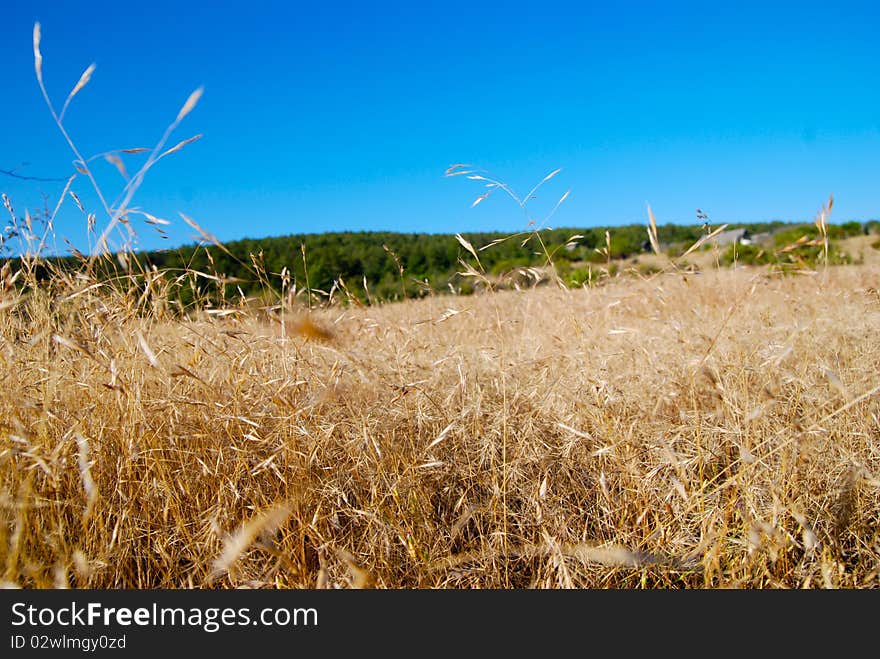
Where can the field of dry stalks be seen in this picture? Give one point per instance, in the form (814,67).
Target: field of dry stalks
(684,431)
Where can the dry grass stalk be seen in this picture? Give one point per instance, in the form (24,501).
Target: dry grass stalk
(264,523)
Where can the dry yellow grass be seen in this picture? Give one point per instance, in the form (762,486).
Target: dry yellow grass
(711,430)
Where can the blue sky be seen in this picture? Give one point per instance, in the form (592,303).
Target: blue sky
(345,116)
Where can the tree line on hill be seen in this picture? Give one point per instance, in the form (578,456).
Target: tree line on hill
(382,266)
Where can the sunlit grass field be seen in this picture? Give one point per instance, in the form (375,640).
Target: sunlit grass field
(680,431)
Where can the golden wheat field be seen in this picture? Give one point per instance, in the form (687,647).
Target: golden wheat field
(687,430)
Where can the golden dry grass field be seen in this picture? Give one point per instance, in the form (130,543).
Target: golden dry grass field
(719,429)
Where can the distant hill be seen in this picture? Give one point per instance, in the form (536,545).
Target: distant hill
(381,266)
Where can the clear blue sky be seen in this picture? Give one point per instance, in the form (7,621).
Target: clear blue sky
(345,116)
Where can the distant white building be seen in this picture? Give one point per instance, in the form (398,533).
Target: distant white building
(738,236)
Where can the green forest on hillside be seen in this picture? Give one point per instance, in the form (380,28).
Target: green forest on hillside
(369,267)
